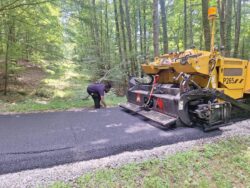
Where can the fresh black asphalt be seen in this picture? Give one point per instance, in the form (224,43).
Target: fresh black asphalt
(42,140)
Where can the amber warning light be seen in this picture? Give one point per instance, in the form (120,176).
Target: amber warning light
(212,10)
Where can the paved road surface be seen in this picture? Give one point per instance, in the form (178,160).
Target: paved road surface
(46,139)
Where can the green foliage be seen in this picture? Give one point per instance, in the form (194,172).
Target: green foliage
(63,89)
(33,30)
(85,34)
(60,185)
(224,164)
(44,93)
(14,69)
(155,182)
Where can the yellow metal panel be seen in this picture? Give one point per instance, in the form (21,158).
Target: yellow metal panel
(247,85)
(235,80)
(200,80)
(188,68)
(236,94)
(200,64)
(149,69)
(167,76)
(230,75)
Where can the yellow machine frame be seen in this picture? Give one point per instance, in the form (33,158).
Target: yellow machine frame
(208,69)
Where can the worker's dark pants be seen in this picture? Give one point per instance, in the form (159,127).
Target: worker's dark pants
(96,97)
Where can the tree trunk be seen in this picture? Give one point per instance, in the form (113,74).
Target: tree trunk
(141,28)
(221,7)
(27,54)
(206,27)
(155,28)
(96,31)
(118,38)
(229,7)
(185,25)
(243,48)
(101,41)
(130,46)
(164,26)
(123,35)
(201,41)
(145,29)
(179,34)
(136,28)
(7,59)
(6,68)
(107,43)
(191,37)
(237,28)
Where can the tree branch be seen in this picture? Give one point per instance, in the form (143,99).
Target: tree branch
(8,5)
(12,6)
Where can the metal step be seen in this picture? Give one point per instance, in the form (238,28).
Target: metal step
(155,116)
(131,107)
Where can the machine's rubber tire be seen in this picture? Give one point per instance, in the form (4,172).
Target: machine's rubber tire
(179,123)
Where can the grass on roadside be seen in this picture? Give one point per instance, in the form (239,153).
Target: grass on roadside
(224,164)
(62,89)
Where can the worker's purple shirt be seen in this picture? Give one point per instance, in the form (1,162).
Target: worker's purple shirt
(96,88)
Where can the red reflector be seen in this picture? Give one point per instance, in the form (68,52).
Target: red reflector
(138,97)
(160,104)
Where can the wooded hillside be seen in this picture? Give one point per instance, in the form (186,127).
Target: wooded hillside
(111,38)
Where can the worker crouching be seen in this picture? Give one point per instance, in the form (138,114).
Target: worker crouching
(97,91)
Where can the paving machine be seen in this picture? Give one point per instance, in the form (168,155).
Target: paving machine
(192,88)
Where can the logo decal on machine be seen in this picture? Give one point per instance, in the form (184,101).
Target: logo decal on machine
(232,81)
(241,81)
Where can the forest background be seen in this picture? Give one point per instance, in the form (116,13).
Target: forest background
(51,49)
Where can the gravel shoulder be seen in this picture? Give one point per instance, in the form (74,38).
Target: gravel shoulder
(68,172)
